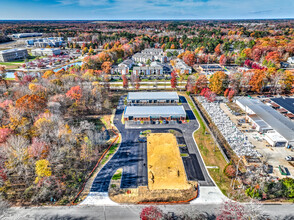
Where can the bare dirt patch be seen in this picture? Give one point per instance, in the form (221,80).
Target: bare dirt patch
(165,165)
(167,181)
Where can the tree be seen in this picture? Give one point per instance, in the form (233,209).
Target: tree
(223,60)
(125,81)
(257,80)
(31,103)
(189,59)
(231,95)
(106,67)
(75,93)
(4,134)
(151,213)
(288,81)
(231,210)
(201,83)
(217,50)
(191,84)
(137,81)
(85,50)
(288,184)
(173,80)
(42,169)
(218,82)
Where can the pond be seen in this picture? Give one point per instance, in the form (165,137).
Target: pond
(79,63)
(69,65)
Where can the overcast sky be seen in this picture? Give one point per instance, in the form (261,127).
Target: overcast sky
(144,9)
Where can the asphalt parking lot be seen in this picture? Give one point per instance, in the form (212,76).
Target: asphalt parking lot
(132,153)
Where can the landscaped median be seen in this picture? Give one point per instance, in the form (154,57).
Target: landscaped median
(210,152)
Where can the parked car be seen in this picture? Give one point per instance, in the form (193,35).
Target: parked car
(289,158)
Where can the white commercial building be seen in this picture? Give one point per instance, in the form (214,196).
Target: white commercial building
(13,54)
(275,139)
(46,51)
(266,117)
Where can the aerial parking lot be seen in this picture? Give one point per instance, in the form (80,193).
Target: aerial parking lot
(131,156)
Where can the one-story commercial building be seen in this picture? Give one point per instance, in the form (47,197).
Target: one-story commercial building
(269,120)
(152,97)
(154,113)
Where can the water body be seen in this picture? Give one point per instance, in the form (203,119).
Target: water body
(79,63)
(69,65)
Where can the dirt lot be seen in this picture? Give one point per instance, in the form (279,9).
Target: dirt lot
(275,156)
(165,165)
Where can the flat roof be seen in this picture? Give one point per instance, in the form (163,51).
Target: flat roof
(274,136)
(12,50)
(153,96)
(260,122)
(287,103)
(283,125)
(151,111)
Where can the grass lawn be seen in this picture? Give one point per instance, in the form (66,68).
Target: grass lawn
(211,154)
(9,78)
(117,176)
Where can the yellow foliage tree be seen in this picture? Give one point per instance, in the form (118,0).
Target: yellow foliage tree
(217,82)
(42,169)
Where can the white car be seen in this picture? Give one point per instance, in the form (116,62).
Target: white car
(289,158)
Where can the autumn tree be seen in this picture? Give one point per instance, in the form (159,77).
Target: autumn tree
(106,67)
(173,80)
(125,81)
(31,103)
(201,83)
(191,84)
(217,50)
(151,213)
(288,81)
(75,93)
(137,82)
(218,82)
(42,169)
(257,80)
(223,60)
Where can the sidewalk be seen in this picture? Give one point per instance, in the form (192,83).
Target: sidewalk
(99,199)
(209,195)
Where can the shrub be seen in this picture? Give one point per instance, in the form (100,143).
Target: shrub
(230,170)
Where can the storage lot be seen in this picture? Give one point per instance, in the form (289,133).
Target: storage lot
(275,156)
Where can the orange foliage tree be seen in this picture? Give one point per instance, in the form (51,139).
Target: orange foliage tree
(257,80)
(31,103)
(75,93)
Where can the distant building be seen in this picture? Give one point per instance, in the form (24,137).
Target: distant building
(148,70)
(25,35)
(152,97)
(140,57)
(183,67)
(153,51)
(290,60)
(210,69)
(46,51)
(44,42)
(124,67)
(150,54)
(13,54)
